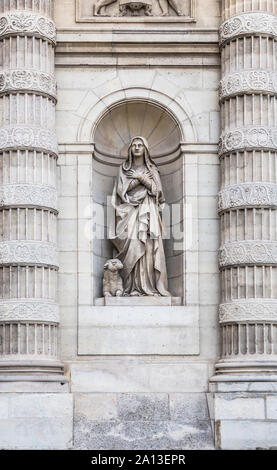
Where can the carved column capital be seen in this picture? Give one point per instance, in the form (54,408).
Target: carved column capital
(27,23)
(246,24)
(253,252)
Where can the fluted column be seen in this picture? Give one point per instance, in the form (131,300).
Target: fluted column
(248,196)
(29,317)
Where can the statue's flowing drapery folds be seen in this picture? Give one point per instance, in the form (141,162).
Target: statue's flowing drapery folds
(138,203)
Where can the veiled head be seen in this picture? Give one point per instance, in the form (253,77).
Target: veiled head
(138,147)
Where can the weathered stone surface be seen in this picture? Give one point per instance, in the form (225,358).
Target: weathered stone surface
(271,406)
(157,435)
(141,421)
(143,407)
(246,435)
(239,406)
(130,375)
(188,407)
(36,421)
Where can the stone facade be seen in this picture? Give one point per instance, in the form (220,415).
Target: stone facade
(198,372)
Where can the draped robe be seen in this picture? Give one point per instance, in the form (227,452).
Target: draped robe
(139,232)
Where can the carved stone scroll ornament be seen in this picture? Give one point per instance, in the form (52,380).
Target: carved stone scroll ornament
(28,80)
(250,310)
(252,138)
(27,23)
(28,195)
(247,253)
(248,81)
(248,195)
(29,310)
(248,23)
(27,137)
(29,252)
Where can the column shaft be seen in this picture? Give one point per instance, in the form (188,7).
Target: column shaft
(248,196)
(29,317)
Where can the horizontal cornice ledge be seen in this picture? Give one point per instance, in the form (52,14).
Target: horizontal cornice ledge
(249,252)
(248,82)
(29,310)
(249,138)
(248,311)
(28,81)
(27,23)
(245,24)
(29,253)
(244,195)
(22,195)
(29,138)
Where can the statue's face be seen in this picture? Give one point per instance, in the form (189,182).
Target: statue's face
(138,148)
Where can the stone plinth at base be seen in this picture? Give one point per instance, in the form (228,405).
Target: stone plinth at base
(138,301)
(244,412)
(36,421)
(138,330)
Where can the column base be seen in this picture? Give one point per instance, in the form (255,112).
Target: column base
(32,376)
(256,368)
(243,409)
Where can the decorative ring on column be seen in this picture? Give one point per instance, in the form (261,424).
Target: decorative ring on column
(248,195)
(249,138)
(26,23)
(28,138)
(28,195)
(29,253)
(248,81)
(247,24)
(29,310)
(250,310)
(26,81)
(248,253)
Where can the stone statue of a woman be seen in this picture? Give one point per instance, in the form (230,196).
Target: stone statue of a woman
(137,199)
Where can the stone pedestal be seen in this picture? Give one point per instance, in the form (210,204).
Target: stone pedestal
(246,375)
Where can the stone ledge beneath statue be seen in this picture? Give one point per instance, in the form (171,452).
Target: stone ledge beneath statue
(138,301)
(134,330)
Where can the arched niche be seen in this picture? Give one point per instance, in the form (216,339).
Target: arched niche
(111,137)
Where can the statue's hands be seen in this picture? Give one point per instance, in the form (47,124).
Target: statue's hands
(138,174)
(135,174)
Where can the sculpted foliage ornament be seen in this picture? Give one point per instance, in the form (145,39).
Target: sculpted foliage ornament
(248,81)
(247,23)
(28,195)
(251,310)
(27,23)
(28,80)
(248,252)
(248,195)
(256,137)
(29,252)
(28,137)
(29,310)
